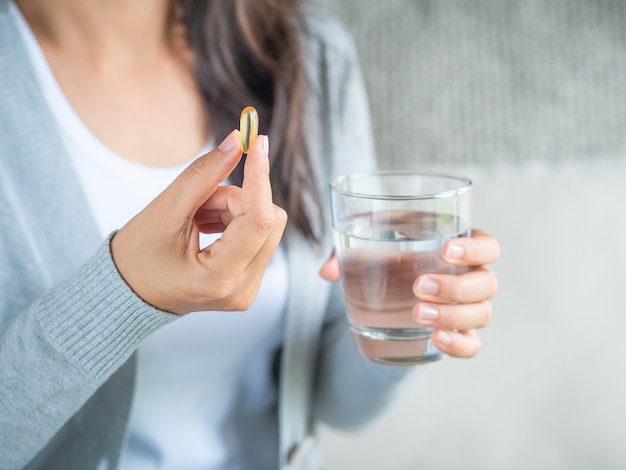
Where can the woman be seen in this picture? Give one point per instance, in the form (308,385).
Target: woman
(105,106)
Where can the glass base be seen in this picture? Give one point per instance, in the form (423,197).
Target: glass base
(406,346)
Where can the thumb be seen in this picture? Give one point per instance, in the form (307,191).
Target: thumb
(201,178)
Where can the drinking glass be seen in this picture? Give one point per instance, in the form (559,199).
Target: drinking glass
(389,227)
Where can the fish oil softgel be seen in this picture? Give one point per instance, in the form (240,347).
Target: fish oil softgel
(248,127)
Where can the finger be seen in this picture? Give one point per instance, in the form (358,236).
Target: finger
(478,250)
(226,198)
(330,271)
(202,177)
(242,292)
(219,210)
(248,232)
(453,316)
(258,264)
(212,221)
(256,187)
(474,286)
(457,343)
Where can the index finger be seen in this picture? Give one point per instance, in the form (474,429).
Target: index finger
(478,250)
(258,219)
(256,194)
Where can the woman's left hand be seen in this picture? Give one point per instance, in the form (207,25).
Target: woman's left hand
(454,305)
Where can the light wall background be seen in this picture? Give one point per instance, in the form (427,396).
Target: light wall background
(529,100)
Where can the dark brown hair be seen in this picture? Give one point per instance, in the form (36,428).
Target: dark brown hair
(248,52)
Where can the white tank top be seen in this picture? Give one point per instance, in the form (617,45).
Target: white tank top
(205,395)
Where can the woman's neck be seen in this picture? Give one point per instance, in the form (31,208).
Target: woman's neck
(122,29)
(126,69)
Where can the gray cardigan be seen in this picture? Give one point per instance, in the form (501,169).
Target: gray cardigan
(69,325)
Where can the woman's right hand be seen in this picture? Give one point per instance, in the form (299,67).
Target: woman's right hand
(158,253)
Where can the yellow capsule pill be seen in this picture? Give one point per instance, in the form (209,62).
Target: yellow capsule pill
(248,127)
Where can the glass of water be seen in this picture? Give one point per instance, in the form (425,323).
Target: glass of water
(389,227)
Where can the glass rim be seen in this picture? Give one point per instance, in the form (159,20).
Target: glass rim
(464,188)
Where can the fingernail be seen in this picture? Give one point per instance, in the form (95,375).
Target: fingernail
(428,312)
(229,143)
(455,251)
(265,144)
(445,338)
(427,286)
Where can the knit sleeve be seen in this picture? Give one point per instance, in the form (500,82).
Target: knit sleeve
(55,354)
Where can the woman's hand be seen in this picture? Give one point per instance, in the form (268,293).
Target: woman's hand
(454,305)
(158,253)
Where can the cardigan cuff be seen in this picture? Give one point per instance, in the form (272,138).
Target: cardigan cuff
(95,318)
